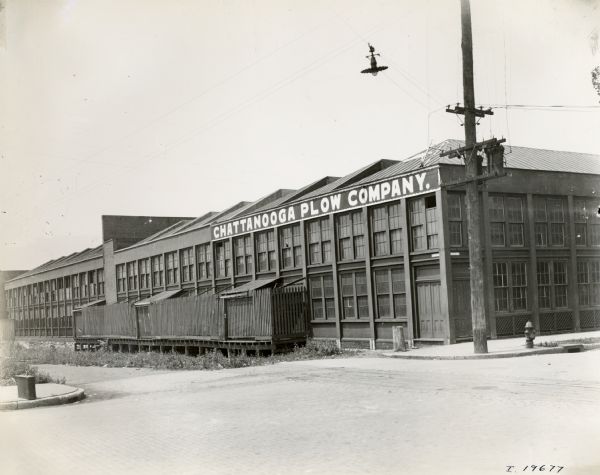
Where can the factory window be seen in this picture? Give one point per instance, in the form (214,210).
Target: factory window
(510,286)
(100,278)
(588,282)
(204,259)
(144,273)
(132,276)
(387,230)
(354,299)
(290,247)
(187,264)
(455,218)
(541,221)
(506,214)
(350,236)
(67,284)
(423,223)
(243,255)
(265,251)
(172,267)
(157,271)
(121,280)
(587,223)
(549,217)
(92,283)
(390,293)
(84,284)
(223,259)
(552,284)
(322,297)
(557,222)
(319,241)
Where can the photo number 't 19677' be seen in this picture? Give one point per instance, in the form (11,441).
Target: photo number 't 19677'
(534,468)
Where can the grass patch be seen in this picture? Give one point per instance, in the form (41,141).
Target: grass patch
(10,367)
(547,344)
(49,354)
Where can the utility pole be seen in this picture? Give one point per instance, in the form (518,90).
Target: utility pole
(473,176)
(472,170)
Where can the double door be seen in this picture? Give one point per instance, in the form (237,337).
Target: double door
(431,321)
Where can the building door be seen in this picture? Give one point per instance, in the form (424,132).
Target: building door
(431,322)
(461,299)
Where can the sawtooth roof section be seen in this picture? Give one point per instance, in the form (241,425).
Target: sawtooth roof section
(199,222)
(299,194)
(86,254)
(163,232)
(260,203)
(353,177)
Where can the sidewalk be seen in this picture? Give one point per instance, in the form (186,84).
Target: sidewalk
(504,348)
(48,394)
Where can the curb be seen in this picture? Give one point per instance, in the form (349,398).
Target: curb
(67,398)
(485,356)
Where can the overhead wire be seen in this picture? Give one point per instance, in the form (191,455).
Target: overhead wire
(223,116)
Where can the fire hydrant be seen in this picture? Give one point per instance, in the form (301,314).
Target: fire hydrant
(529,335)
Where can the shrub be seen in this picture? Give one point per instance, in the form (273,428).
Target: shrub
(11,368)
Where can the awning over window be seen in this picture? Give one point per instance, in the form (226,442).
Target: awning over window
(249,287)
(167,294)
(95,303)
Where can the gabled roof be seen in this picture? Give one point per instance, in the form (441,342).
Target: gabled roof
(86,254)
(352,178)
(299,194)
(267,200)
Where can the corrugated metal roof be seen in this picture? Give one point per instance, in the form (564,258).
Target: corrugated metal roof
(352,178)
(174,228)
(299,194)
(167,294)
(86,254)
(267,200)
(249,287)
(522,158)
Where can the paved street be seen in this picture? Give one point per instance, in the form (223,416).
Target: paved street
(360,415)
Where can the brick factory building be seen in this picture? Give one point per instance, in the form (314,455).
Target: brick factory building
(380,247)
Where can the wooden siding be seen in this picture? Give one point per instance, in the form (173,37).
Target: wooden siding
(266,314)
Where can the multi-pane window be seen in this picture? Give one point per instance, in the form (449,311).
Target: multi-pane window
(157,271)
(265,251)
(223,259)
(319,241)
(204,261)
(456,204)
(132,275)
(556,214)
(588,282)
(350,236)
(390,293)
(423,223)
(549,217)
(121,280)
(540,217)
(587,223)
(322,297)
(144,273)
(84,285)
(353,287)
(243,255)
(552,284)
(290,247)
(510,286)
(92,282)
(99,278)
(67,284)
(187,264)
(506,220)
(172,267)
(386,226)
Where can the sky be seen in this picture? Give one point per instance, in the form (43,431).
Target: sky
(148,107)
